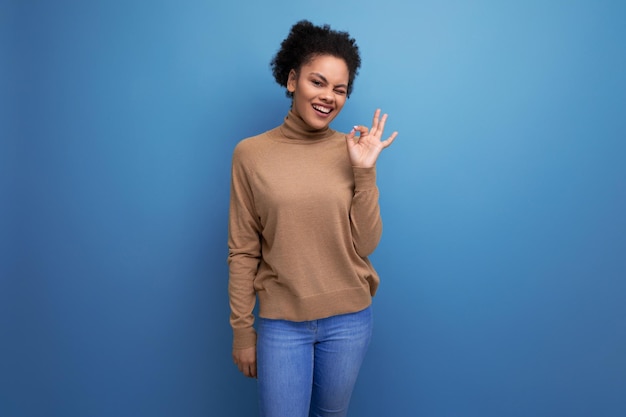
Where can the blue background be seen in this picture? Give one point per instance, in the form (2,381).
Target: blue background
(503,257)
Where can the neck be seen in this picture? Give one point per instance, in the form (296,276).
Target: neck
(295,127)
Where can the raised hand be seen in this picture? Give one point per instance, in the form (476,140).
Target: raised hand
(365,148)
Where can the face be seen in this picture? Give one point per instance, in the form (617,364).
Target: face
(319,90)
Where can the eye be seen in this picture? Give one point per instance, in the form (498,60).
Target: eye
(316,83)
(340,92)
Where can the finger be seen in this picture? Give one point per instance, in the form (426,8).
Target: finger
(375,119)
(250,370)
(244,369)
(381,125)
(389,140)
(351,137)
(361,130)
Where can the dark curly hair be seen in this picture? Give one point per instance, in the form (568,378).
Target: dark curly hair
(306,41)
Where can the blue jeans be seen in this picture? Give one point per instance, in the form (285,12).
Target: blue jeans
(308,369)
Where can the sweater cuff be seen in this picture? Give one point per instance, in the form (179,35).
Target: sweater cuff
(244,338)
(364,178)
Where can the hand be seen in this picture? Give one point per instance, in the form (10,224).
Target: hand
(245,359)
(365,148)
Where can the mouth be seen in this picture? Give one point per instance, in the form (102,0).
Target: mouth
(323,110)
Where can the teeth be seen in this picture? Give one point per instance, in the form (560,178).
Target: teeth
(322,109)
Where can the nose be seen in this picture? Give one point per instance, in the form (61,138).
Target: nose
(327,95)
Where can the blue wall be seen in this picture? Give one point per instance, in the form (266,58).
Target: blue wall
(502,262)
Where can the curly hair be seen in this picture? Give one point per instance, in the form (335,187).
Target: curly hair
(306,41)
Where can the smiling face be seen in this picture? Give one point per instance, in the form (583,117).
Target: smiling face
(319,90)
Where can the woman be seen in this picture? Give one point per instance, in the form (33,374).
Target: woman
(303,219)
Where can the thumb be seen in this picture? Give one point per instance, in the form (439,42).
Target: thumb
(350,137)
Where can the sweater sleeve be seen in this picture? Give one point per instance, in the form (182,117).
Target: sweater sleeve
(365,217)
(244,253)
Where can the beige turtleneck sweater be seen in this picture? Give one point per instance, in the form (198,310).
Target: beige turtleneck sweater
(302,222)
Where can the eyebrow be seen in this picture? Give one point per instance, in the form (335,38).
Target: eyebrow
(326,81)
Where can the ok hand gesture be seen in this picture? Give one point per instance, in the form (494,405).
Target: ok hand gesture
(365,148)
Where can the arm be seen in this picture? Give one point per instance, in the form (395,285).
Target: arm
(365,212)
(243,260)
(365,219)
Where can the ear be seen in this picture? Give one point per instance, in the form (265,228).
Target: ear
(292,81)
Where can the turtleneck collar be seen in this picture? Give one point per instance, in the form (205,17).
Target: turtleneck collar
(295,128)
